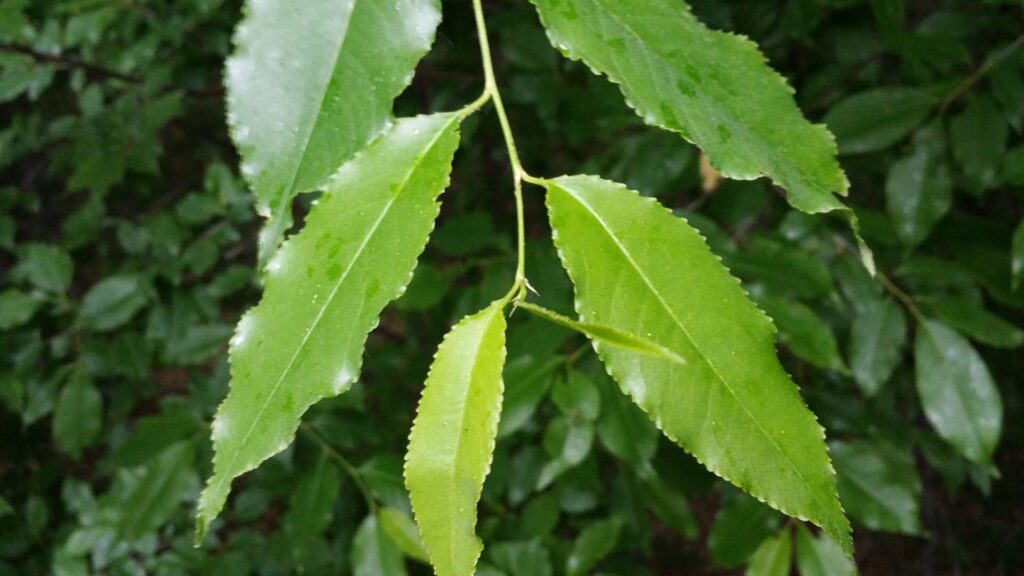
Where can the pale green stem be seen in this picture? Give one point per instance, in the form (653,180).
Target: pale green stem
(518,290)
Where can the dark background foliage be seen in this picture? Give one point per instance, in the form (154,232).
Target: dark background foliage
(127,252)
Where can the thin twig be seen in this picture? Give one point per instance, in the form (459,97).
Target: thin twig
(346,466)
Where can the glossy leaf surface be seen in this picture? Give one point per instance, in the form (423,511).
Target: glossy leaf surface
(713,88)
(959,397)
(877,338)
(919,189)
(642,270)
(452,439)
(300,98)
(325,289)
(879,485)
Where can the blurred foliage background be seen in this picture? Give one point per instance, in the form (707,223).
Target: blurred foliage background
(127,253)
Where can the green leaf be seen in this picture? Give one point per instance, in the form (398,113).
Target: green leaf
(16,308)
(879,485)
(158,492)
(325,289)
(568,441)
(959,397)
(311,507)
(640,269)
(78,416)
(528,380)
(820,556)
(152,435)
(978,137)
(113,302)
(452,439)
(373,553)
(713,88)
(919,188)
(623,428)
(595,542)
(878,118)
(45,267)
(605,334)
(804,333)
(739,529)
(669,505)
(773,557)
(577,396)
(781,269)
(877,337)
(404,533)
(975,322)
(301,100)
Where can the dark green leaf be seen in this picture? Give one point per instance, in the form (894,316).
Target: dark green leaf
(879,485)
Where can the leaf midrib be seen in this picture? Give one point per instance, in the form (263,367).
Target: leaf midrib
(277,385)
(686,333)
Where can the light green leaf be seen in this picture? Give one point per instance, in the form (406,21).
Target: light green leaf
(957,392)
(820,556)
(311,507)
(877,337)
(605,333)
(158,492)
(713,88)
(301,100)
(879,485)
(595,542)
(325,289)
(919,188)
(773,557)
(373,553)
(404,533)
(804,333)
(642,270)
(876,119)
(452,439)
(975,322)
(978,138)
(739,529)
(78,416)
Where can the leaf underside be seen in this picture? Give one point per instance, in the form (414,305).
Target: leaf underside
(640,269)
(300,98)
(452,440)
(324,291)
(713,88)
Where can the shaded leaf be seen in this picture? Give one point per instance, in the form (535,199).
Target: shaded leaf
(773,557)
(112,302)
(878,118)
(820,556)
(311,507)
(300,98)
(978,138)
(325,289)
(959,397)
(158,492)
(879,485)
(45,267)
(452,439)
(595,542)
(804,333)
(373,553)
(642,270)
(16,308)
(975,322)
(919,188)
(738,530)
(877,337)
(78,416)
